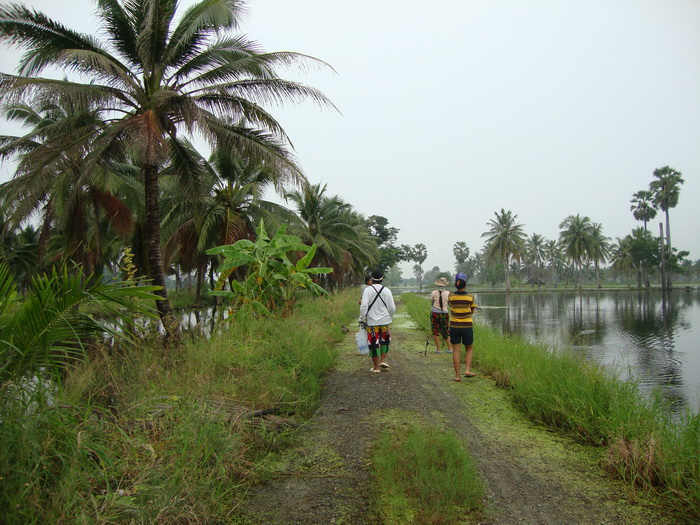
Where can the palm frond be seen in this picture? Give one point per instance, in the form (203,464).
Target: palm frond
(44,39)
(197,24)
(49,329)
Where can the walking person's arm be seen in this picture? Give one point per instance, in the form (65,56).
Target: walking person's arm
(390,304)
(364,304)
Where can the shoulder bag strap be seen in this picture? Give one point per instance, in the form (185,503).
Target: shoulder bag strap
(375,299)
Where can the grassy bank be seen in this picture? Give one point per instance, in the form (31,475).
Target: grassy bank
(423,476)
(644,445)
(144,436)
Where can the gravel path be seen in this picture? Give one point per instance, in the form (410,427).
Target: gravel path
(533,476)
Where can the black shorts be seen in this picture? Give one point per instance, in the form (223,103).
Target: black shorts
(463,336)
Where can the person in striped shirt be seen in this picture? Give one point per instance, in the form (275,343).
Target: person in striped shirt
(462,306)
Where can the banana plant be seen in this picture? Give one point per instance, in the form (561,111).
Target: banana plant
(50,327)
(272,280)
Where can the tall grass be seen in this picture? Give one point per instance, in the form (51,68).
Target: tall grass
(423,476)
(174,436)
(645,446)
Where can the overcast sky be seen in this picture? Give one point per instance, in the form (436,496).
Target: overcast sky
(451,110)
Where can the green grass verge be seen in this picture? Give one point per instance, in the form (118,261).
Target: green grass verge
(153,436)
(645,445)
(422,476)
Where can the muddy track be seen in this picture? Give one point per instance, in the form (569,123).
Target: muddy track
(532,476)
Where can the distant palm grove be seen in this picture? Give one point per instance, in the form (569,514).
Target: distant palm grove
(111,162)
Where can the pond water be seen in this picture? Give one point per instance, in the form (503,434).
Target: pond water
(650,336)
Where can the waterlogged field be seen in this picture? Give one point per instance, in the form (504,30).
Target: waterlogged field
(650,337)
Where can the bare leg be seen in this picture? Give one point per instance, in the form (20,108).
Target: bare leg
(383,350)
(455,361)
(436,338)
(469,352)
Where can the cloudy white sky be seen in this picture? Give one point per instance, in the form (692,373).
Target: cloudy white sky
(451,110)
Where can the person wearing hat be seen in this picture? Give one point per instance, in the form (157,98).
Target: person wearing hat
(377,310)
(439,315)
(462,306)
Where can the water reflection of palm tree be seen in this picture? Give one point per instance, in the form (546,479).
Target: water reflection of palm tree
(651,321)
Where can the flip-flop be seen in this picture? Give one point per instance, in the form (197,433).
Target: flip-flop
(375,370)
(470,374)
(456,380)
(383,365)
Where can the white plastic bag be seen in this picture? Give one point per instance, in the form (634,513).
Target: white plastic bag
(361,339)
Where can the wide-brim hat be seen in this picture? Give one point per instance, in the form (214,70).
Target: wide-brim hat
(441,281)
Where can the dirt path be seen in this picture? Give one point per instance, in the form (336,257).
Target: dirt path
(532,476)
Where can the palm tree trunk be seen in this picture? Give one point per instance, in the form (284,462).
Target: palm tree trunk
(665,281)
(507,273)
(669,252)
(153,248)
(201,270)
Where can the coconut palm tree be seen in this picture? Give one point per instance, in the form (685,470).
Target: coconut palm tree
(599,251)
(160,76)
(505,241)
(77,202)
(621,258)
(220,206)
(18,249)
(576,238)
(555,259)
(643,207)
(362,248)
(535,255)
(343,242)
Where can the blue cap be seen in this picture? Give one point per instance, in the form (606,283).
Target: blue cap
(460,276)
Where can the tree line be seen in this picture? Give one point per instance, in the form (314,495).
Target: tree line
(582,253)
(108,161)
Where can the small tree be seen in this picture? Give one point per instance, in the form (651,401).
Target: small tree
(48,330)
(272,279)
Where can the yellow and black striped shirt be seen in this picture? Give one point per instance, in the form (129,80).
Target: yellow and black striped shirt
(462,306)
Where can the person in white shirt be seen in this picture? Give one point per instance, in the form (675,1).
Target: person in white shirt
(377,310)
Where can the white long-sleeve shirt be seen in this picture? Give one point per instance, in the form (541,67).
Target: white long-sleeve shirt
(383,309)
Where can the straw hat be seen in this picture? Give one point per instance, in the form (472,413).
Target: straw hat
(441,281)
